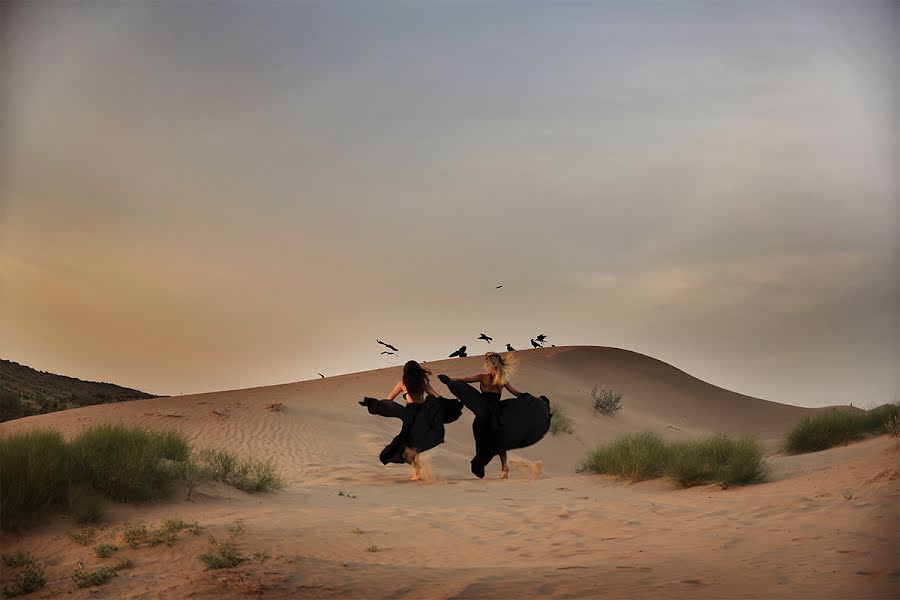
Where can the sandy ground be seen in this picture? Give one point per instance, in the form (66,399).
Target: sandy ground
(826,526)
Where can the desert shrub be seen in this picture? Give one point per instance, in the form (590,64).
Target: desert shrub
(83,536)
(35,472)
(606,402)
(134,534)
(824,430)
(123,563)
(877,419)
(717,458)
(25,581)
(222,555)
(11,406)
(126,463)
(247,475)
(892,426)
(559,420)
(82,577)
(636,457)
(105,550)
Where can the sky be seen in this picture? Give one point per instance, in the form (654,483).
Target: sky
(198,196)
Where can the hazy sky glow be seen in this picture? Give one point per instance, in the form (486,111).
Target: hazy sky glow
(199,196)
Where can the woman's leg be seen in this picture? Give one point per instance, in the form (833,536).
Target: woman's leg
(504,468)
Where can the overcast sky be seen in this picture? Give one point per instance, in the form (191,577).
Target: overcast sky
(198,196)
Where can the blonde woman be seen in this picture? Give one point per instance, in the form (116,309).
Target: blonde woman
(499,425)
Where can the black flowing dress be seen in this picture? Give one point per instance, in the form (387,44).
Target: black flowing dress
(499,426)
(423,424)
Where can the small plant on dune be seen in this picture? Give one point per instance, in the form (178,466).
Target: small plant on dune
(123,563)
(83,536)
(357,531)
(718,459)
(559,420)
(892,426)
(176,524)
(635,457)
(373,548)
(105,550)
(29,579)
(83,578)
(606,402)
(237,527)
(135,533)
(126,463)
(35,472)
(222,555)
(824,430)
(247,475)
(261,556)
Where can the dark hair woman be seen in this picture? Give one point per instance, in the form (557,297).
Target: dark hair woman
(423,417)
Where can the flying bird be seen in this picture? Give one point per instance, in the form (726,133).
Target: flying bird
(387,345)
(535,344)
(461,353)
(510,348)
(541,338)
(391,353)
(486,338)
(498,287)
(322,376)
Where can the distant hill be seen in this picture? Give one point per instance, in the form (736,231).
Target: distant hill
(25,392)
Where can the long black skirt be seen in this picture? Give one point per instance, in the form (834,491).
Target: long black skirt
(423,425)
(502,425)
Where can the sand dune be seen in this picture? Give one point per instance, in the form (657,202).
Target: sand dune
(826,527)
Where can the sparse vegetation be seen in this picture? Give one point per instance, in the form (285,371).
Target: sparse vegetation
(835,427)
(373,548)
(718,459)
(82,577)
(357,531)
(105,550)
(29,579)
(606,402)
(635,457)
(39,471)
(35,472)
(247,475)
(892,426)
(237,527)
(347,495)
(222,555)
(83,536)
(559,421)
(123,563)
(126,463)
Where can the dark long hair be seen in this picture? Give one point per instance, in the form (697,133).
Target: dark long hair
(415,378)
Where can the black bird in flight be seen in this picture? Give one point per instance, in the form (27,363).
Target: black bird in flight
(535,344)
(486,338)
(391,353)
(498,287)
(510,348)
(541,338)
(387,345)
(322,376)
(460,353)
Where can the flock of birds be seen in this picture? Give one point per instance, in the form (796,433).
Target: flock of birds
(538,341)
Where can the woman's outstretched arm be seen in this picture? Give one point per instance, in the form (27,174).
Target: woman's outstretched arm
(397,389)
(471,378)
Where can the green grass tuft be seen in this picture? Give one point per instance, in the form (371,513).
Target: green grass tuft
(29,579)
(247,475)
(222,555)
(559,420)
(35,472)
(83,536)
(82,577)
(126,463)
(606,402)
(836,427)
(636,457)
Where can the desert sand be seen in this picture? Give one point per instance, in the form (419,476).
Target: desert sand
(825,526)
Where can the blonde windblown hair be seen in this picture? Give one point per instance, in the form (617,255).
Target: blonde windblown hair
(501,367)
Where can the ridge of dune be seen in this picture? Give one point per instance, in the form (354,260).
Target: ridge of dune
(347,527)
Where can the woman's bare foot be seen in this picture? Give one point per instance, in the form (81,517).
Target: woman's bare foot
(416,476)
(504,473)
